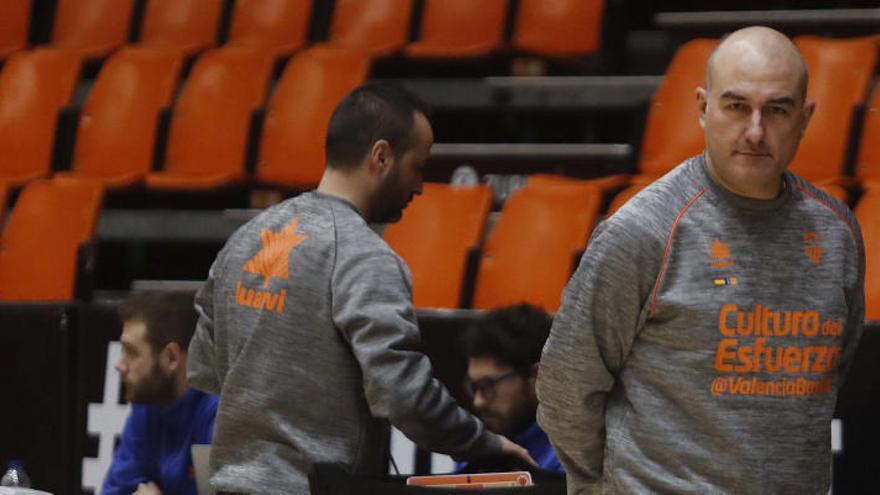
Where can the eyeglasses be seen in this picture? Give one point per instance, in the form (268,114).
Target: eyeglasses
(486,386)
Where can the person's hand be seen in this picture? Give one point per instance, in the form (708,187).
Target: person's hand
(512,449)
(147,489)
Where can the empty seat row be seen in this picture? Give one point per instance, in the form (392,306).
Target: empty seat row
(212,124)
(94,28)
(449,28)
(211,139)
(528,255)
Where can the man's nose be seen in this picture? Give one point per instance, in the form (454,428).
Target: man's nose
(755,131)
(479,401)
(120,367)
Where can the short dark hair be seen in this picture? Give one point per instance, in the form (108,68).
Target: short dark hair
(513,335)
(371,112)
(169,316)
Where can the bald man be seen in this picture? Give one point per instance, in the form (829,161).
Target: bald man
(702,341)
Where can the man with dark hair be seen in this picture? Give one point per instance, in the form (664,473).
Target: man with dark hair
(306,325)
(369,114)
(503,349)
(167,417)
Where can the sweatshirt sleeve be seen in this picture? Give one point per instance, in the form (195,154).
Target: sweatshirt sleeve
(372,308)
(129,467)
(603,307)
(855,300)
(201,370)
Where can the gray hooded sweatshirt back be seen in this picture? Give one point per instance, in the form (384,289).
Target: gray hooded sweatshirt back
(307,332)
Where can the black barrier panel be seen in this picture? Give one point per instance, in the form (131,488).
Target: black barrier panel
(441,334)
(857,469)
(99,326)
(36,414)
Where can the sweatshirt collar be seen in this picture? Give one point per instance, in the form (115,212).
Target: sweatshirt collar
(742,202)
(337,199)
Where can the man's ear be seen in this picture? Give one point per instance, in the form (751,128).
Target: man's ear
(533,371)
(172,358)
(702,103)
(809,108)
(381,157)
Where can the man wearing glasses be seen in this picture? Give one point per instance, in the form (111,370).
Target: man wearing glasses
(503,351)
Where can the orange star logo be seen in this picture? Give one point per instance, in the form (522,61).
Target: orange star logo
(272,259)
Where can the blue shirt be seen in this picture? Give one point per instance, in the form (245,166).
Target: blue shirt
(155,445)
(536,442)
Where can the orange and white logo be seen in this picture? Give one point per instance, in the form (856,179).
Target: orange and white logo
(271,261)
(812,248)
(720,253)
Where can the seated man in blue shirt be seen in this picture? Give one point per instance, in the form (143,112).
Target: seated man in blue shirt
(167,416)
(503,350)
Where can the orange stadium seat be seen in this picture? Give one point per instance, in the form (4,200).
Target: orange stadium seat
(868,158)
(380,27)
(15,17)
(868,214)
(4,197)
(49,222)
(186,25)
(529,256)
(280,26)
(34,87)
(672,129)
(92,28)
(835,191)
(840,74)
(460,28)
(435,237)
(117,127)
(559,28)
(209,127)
(314,82)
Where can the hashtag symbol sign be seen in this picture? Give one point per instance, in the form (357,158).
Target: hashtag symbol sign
(105,421)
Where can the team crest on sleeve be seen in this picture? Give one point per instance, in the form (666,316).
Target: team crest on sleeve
(271,261)
(813,248)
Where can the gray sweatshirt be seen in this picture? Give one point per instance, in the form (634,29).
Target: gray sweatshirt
(702,340)
(307,332)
